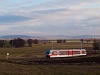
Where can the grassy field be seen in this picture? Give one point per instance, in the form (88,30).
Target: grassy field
(39,51)
(17,69)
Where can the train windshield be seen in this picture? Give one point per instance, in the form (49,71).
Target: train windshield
(47,52)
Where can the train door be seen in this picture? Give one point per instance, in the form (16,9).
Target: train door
(70,53)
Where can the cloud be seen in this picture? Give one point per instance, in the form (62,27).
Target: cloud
(51,16)
(12,18)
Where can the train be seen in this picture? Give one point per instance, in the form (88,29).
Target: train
(65,53)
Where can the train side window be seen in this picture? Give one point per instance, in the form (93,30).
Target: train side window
(76,52)
(63,53)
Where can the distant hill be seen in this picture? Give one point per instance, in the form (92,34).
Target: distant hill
(87,36)
(72,37)
(50,37)
(15,36)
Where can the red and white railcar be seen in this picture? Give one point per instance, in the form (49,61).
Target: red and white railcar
(65,53)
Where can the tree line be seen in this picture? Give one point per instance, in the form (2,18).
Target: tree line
(21,43)
(96,43)
(17,43)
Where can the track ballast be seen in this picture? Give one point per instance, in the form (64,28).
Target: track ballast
(56,61)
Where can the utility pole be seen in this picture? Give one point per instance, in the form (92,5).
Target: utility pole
(99,46)
(52,45)
(81,43)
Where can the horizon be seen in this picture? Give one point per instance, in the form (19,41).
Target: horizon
(51,37)
(49,17)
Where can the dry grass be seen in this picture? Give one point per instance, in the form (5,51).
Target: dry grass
(16,69)
(39,51)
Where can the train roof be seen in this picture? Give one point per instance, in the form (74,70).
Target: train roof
(63,49)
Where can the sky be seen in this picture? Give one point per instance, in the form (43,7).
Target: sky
(49,17)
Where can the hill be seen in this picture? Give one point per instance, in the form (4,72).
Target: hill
(50,37)
(15,36)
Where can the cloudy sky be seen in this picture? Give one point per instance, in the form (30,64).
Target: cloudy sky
(49,17)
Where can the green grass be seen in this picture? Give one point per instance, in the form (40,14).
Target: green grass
(39,51)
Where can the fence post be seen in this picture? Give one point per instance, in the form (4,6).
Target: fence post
(7,55)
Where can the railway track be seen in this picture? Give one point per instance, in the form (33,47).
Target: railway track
(56,61)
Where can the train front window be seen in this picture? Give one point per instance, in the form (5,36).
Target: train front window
(48,51)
